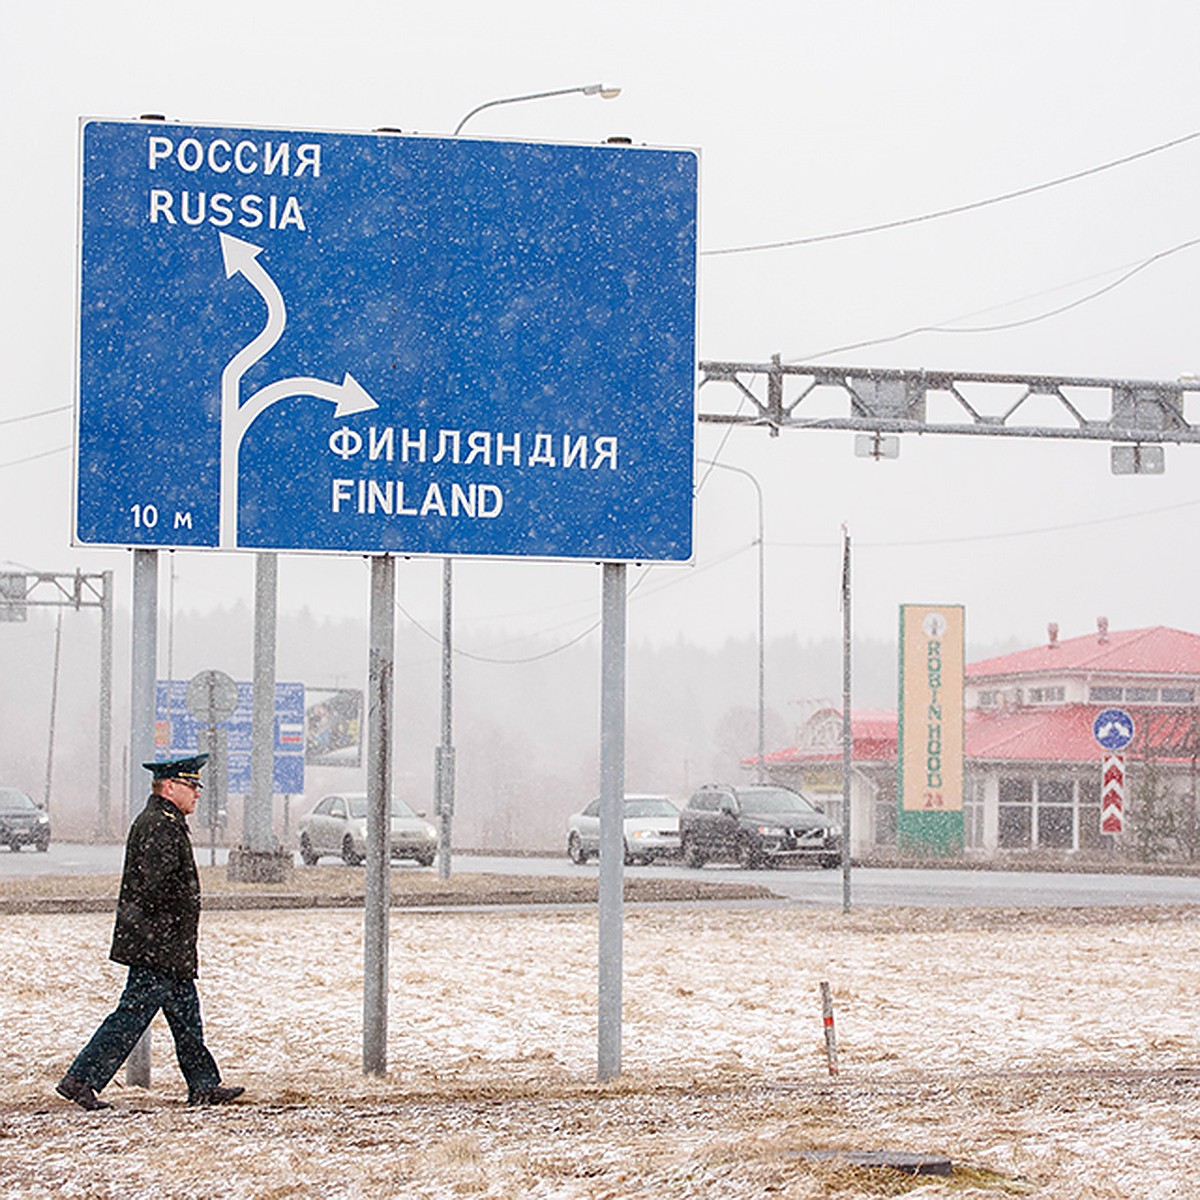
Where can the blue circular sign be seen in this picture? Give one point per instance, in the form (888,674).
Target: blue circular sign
(1113,728)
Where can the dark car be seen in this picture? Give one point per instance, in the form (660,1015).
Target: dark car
(756,825)
(22,822)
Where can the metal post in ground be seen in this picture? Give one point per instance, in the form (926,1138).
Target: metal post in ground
(612,814)
(143,665)
(830,1036)
(380,704)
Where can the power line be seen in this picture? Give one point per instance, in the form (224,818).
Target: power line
(16,462)
(948,327)
(958,208)
(45,412)
(993,537)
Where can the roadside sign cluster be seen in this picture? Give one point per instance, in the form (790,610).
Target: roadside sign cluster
(1113,730)
(178,733)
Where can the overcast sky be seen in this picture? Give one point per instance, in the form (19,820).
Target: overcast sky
(811,119)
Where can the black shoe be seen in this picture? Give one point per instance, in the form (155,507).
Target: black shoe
(70,1088)
(215,1095)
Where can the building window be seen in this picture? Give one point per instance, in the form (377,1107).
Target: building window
(987,699)
(1047,695)
(1055,813)
(1105,695)
(1178,695)
(885,812)
(1016,814)
(1090,837)
(1141,695)
(973,814)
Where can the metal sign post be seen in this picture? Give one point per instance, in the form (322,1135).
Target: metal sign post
(144,641)
(612,814)
(257,836)
(380,707)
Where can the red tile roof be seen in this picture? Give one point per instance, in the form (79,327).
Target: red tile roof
(1154,651)
(1060,734)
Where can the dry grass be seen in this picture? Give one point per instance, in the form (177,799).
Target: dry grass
(1047,1053)
(335,886)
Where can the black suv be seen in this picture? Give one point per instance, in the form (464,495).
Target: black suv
(22,822)
(756,825)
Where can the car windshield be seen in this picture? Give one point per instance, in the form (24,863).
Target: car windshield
(650,806)
(358,808)
(774,800)
(12,801)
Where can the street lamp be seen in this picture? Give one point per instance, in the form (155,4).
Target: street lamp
(590,89)
(761,638)
(444,771)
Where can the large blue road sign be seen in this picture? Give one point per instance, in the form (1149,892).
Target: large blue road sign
(380,343)
(177,733)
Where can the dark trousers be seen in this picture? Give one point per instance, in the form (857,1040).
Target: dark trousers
(147,991)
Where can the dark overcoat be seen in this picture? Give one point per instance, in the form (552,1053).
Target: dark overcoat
(158,909)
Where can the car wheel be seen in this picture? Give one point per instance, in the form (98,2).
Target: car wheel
(425,860)
(15,847)
(349,855)
(575,850)
(749,857)
(43,846)
(693,856)
(307,854)
(830,861)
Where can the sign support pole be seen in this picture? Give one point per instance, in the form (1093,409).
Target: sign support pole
(444,759)
(104,765)
(257,834)
(612,818)
(380,704)
(847,727)
(143,664)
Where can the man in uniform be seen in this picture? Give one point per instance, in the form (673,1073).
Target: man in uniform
(158,912)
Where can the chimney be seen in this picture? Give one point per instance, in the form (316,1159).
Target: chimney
(1102,630)
(1052,630)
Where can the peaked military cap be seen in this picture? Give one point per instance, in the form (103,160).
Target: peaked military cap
(187,769)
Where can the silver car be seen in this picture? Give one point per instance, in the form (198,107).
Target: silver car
(338,826)
(651,830)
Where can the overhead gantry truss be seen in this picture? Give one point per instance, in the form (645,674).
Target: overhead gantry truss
(779,395)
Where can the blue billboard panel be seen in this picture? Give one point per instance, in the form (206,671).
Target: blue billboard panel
(379,343)
(177,733)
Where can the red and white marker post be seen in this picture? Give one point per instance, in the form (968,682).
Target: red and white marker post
(1112,794)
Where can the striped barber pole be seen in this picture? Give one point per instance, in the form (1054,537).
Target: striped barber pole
(1112,794)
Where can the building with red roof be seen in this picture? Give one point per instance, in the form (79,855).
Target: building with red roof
(1032,779)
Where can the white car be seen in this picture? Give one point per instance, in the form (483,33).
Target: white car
(651,830)
(338,825)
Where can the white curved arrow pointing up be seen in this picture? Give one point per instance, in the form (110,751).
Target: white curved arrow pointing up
(348,397)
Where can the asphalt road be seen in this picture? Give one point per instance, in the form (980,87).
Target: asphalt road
(804,885)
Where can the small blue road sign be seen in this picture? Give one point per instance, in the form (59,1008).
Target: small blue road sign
(1113,728)
(177,732)
(377,343)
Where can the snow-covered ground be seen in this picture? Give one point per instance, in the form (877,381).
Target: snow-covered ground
(1048,1053)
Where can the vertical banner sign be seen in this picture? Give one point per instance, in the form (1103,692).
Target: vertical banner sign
(1112,794)
(931,708)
